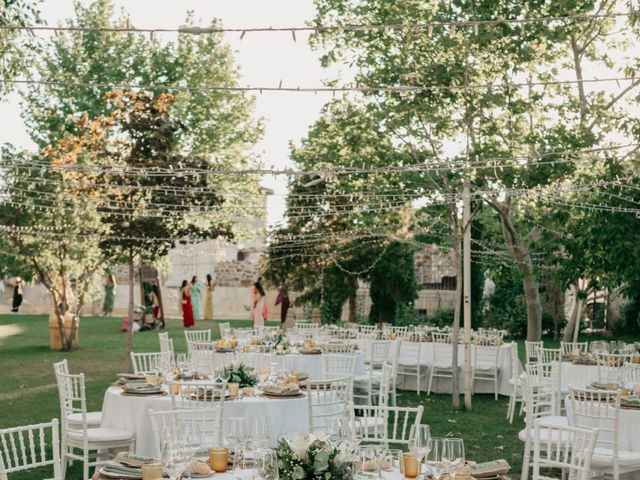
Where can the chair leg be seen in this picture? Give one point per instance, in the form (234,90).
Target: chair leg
(495,385)
(525,461)
(430,382)
(85,465)
(418,381)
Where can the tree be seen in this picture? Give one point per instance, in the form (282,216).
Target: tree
(16,44)
(52,226)
(531,122)
(218,126)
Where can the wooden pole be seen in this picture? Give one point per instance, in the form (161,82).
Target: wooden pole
(466,278)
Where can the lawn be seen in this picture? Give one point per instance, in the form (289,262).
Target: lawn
(28,392)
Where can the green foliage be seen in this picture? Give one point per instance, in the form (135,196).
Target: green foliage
(242,374)
(441,318)
(302,458)
(16,45)
(506,307)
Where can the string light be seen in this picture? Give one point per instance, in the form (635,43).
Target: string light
(341,89)
(429,26)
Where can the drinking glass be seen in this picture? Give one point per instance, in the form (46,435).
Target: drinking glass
(260,431)
(175,458)
(244,463)
(267,464)
(437,458)
(236,431)
(368,466)
(392,465)
(455,455)
(419,441)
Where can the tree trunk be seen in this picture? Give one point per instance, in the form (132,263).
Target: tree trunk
(353,307)
(129,345)
(455,381)
(567,335)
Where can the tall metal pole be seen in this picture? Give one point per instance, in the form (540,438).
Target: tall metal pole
(466,292)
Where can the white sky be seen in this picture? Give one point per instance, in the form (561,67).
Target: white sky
(264,59)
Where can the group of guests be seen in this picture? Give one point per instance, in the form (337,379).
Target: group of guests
(190,294)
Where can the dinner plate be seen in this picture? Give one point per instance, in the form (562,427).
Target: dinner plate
(280,395)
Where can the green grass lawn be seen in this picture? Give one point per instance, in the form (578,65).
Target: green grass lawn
(28,392)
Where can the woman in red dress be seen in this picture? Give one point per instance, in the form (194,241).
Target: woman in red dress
(187,309)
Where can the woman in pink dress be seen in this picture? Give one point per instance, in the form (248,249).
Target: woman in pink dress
(187,309)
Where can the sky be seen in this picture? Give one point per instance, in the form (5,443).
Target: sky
(264,59)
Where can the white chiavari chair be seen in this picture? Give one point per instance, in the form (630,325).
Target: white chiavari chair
(93,418)
(338,365)
(610,366)
(369,331)
(262,361)
(196,395)
(166,343)
(340,333)
(376,355)
(148,363)
(567,449)
(334,347)
(531,351)
(631,374)
(515,383)
(409,361)
(26,448)
(484,367)
(569,348)
(206,420)
(540,405)
(601,409)
(548,355)
(303,326)
(203,358)
(328,404)
(383,424)
(225,330)
(441,358)
(197,335)
(81,436)
(547,376)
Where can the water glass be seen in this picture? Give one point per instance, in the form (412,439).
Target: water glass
(419,441)
(455,455)
(392,465)
(267,464)
(175,458)
(236,431)
(244,462)
(437,458)
(260,431)
(368,466)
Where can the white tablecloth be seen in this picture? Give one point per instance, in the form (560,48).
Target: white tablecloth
(297,362)
(286,416)
(577,376)
(443,385)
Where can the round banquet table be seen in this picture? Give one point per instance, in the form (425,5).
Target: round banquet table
(286,416)
(310,364)
(443,385)
(577,376)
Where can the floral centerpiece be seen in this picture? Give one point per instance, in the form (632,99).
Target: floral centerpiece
(282,342)
(314,457)
(242,374)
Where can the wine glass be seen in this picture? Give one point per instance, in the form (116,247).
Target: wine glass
(260,431)
(174,458)
(267,464)
(437,458)
(419,441)
(455,455)
(236,431)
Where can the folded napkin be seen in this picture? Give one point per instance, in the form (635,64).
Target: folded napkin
(117,468)
(131,460)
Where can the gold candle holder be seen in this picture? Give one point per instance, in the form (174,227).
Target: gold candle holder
(151,471)
(175,388)
(218,459)
(234,389)
(411,466)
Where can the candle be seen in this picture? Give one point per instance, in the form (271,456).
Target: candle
(218,459)
(234,389)
(175,388)
(411,466)
(152,471)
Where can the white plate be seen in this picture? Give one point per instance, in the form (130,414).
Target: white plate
(110,474)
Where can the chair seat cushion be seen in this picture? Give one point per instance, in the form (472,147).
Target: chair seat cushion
(93,419)
(446,366)
(551,420)
(103,435)
(375,379)
(603,458)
